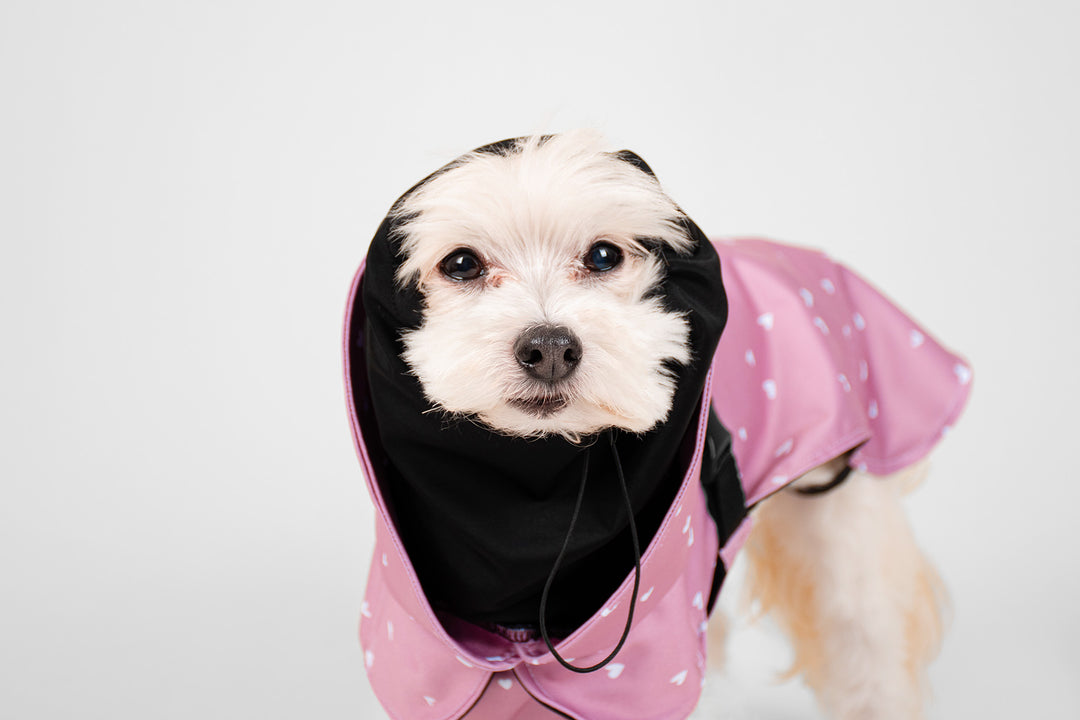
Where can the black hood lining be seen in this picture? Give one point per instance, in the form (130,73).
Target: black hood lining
(482,515)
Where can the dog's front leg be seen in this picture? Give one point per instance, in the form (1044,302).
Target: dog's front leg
(844,578)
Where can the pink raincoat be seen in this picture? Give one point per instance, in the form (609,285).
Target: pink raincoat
(813,362)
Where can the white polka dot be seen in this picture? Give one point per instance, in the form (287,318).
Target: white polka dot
(506,683)
(963,373)
(820,325)
(369,658)
(769,386)
(679,679)
(429,700)
(742,434)
(365,609)
(765,320)
(614,670)
(827,286)
(390,629)
(785,448)
(807,297)
(690,538)
(647,594)
(608,610)
(864,370)
(778,479)
(698,601)
(842,379)
(917,338)
(750,360)
(860,323)
(872,411)
(846,331)
(686,527)
(384,562)
(703,627)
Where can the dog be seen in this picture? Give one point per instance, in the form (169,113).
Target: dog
(543,379)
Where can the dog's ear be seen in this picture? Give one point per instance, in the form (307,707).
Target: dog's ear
(634,159)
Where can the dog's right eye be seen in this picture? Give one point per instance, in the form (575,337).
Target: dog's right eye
(602,257)
(462,264)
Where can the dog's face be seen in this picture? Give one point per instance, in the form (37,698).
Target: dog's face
(540,316)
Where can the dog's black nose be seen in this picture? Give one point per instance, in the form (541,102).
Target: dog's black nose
(548,352)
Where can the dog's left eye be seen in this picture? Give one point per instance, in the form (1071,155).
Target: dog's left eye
(602,256)
(462,264)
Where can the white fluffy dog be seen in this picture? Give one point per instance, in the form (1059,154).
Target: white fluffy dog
(540,319)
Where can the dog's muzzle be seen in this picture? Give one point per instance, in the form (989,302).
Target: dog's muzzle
(549,353)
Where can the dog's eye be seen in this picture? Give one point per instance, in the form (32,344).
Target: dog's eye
(603,256)
(462,264)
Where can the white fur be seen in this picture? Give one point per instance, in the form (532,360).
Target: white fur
(531,215)
(844,578)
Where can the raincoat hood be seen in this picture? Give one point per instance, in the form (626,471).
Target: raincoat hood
(487,513)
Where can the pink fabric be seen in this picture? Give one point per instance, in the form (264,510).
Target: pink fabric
(813,362)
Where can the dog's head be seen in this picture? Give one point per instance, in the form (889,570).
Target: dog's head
(539,264)
(543,287)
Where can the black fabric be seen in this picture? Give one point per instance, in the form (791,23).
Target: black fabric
(723,491)
(831,485)
(483,515)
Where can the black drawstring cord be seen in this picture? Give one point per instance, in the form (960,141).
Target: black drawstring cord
(566,543)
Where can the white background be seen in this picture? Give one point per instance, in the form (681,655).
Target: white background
(187,188)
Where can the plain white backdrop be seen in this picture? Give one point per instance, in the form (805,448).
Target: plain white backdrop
(187,188)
